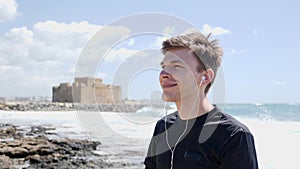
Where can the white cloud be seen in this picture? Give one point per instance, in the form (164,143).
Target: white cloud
(158,42)
(32,60)
(55,27)
(258,32)
(206,29)
(168,33)
(168,30)
(130,42)
(71,35)
(119,54)
(47,41)
(234,52)
(6,70)
(101,75)
(215,31)
(279,83)
(8,10)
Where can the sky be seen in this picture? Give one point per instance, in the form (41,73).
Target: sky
(44,43)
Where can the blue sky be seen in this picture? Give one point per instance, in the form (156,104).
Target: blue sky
(41,41)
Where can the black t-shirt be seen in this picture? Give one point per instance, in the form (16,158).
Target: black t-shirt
(214,140)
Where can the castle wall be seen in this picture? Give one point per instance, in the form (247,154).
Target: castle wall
(87,95)
(100,93)
(116,93)
(108,94)
(76,92)
(88,90)
(62,93)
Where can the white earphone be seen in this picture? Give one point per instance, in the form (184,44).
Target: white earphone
(186,125)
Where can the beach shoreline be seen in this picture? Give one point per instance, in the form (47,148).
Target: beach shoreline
(58,106)
(37,146)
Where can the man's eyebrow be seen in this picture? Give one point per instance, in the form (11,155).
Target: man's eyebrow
(176,61)
(173,61)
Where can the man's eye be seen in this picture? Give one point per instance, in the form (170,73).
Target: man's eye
(177,66)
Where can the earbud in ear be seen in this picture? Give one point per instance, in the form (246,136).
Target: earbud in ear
(202,79)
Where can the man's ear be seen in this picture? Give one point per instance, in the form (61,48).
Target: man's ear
(209,76)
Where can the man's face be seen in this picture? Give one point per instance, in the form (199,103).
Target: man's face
(179,77)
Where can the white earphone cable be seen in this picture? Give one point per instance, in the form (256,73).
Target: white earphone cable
(186,125)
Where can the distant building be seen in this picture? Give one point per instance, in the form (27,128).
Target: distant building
(26,99)
(87,90)
(62,93)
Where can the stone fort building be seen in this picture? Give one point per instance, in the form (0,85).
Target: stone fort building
(86,90)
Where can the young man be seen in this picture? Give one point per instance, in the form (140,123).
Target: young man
(198,135)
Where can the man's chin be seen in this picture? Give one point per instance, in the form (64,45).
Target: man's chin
(168,98)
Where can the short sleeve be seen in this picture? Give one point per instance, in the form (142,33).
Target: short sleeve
(150,160)
(239,152)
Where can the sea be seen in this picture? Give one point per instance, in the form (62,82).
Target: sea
(126,136)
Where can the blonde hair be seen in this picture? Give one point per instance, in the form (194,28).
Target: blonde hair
(208,53)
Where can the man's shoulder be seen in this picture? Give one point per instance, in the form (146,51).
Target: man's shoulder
(226,124)
(231,139)
(232,124)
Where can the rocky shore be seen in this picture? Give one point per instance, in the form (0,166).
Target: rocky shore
(31,148)
(54,106)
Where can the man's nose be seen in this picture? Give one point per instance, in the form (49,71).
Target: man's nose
(164,74)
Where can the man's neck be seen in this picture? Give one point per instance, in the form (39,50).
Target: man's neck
(192,108)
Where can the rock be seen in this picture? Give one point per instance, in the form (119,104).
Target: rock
(11,104)
(33,159)
(38,130)
(15,143)
(38,151)
(14,152)
(76,144)
(2,106)
(42,152)
(6,162)
(61,104)
(49,106)
(7,131)
(69,105)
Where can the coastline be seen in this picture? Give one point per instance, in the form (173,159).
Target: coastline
(57,106)
(37,146)
(113,152)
